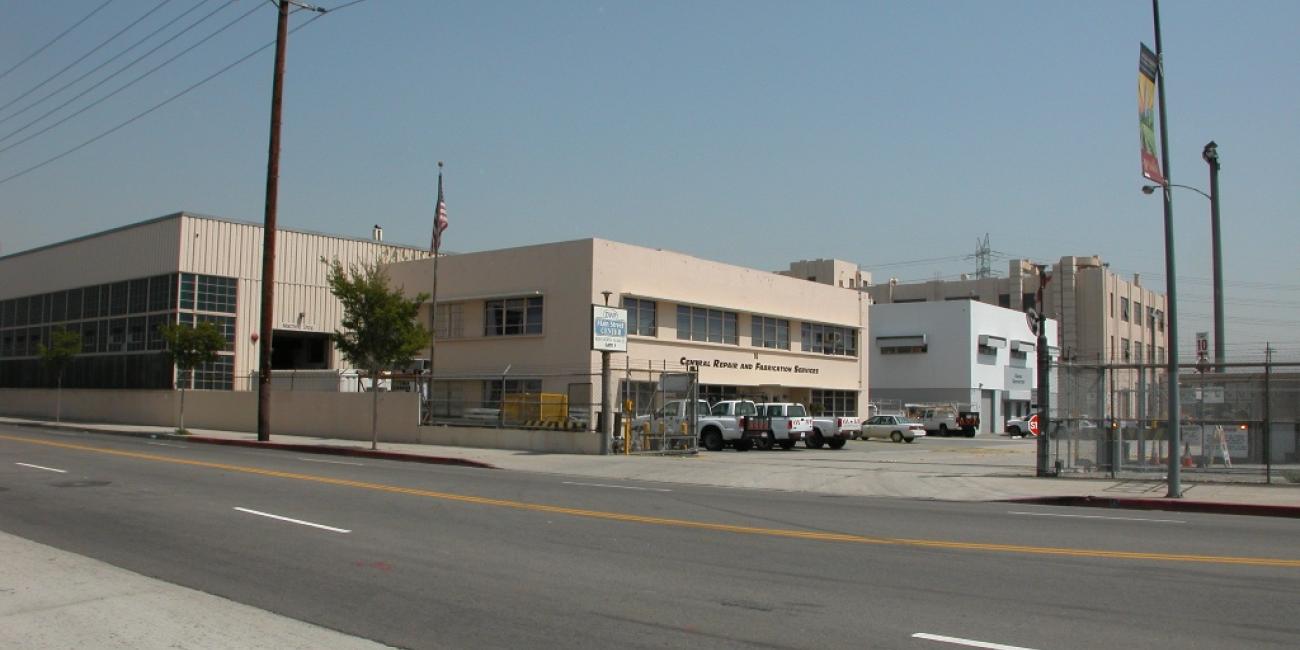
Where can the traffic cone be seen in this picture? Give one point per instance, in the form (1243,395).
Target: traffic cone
(1187,455)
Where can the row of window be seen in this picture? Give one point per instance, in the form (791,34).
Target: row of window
(132,334)
(1154,317)
(128,297)
(1154,354)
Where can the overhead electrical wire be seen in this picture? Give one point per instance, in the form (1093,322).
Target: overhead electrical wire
(83,57)
(129,83)
(55,39)
(111,59)
(167,101)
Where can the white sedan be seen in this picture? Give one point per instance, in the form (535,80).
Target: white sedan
(893,427)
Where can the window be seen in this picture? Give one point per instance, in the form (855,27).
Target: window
(90,302)
(59,307)
(1112,304)
(492,389)
(216,375)
(703,324)
(1028,301)
(770,333)
(902,344)
(1160,354)
(835,403)
(1123,349)
(225,325)
(450,322)
(512,317)
(640,316)
(1004,300)
(154,333)
(36,310)
(830,339)
(716,393)
(90,337)
(117,294)
(640,393)
(74,304)
(138,301)
(1137,351)
(116,335)
(162,292)
(187,291)
(135,333)
(1123,309)
(1160,320)
(1137,313)
(215,294)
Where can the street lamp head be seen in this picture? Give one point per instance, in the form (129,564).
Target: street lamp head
(1150,189)
(1211,153)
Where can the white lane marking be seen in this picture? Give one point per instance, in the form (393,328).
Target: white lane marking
(621,487)
(332,462)
(293,521)
(48,469)
(164,444)
(967,642)
(1053,514)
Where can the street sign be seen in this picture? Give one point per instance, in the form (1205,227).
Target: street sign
(1202,345)
(608,329)
(1033,424)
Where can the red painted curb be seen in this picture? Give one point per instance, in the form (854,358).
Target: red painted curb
(1173,505)
(342,451)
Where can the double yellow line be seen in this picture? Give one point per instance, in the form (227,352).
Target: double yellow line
(686,523)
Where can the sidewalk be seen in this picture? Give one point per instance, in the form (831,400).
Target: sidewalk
(981,474)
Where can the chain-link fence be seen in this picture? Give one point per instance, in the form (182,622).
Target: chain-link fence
(1239,423)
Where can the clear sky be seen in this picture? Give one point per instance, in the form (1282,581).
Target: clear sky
(754,132)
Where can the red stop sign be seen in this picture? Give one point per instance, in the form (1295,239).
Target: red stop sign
(1033,424)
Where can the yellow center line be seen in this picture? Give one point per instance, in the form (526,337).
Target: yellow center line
(686,523)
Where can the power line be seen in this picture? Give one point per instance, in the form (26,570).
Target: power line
(83,57)
(129,83)
(167,101)
(55,39)
(101,66)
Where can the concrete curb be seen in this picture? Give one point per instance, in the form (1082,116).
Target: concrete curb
(328,450)
(1172,505)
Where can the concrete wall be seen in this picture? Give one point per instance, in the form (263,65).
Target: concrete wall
(325,415)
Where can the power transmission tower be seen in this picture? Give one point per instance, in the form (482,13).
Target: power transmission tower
(983,258)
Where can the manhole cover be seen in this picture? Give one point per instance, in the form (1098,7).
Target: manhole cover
(80,484)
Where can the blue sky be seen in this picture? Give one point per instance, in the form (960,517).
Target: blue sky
(751,132)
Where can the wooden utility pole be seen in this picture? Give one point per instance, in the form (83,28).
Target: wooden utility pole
(268,240)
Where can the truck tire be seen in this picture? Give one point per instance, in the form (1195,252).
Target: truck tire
(711,439)
(970,433)
(943,429)
(896,436)
(815,440)
(744,444)
(787,444)
(837,443)
(763,443)
(1013,430)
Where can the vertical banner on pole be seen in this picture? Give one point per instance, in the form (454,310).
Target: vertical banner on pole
(1146,114)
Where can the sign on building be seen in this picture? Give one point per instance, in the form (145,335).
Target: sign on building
(608,329)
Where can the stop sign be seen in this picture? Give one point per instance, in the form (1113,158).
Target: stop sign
(1033,424)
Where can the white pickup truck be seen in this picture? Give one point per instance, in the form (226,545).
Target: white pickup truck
(788,423)
(725,426)
(833,431)
(669,417)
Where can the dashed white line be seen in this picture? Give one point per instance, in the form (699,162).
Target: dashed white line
(164,444)
(1053,514)
(332,462)
(620,487)
(293,521)
(967,642)
(48,469)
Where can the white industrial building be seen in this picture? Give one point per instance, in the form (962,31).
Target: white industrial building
(963,352)
(115,288)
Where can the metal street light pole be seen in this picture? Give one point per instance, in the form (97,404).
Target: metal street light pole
(1171,275)
(1211,156)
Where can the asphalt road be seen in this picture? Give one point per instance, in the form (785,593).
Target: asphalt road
(419,556)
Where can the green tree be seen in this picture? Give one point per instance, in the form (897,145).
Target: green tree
(189,347)
(380,330)
(64,345)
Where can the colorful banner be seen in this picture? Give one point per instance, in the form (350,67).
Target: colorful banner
(1147,114)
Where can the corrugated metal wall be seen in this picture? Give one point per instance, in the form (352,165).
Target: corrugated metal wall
(133,252)
(214,247)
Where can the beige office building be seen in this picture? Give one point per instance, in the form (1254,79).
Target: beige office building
(519,320)
(115,288)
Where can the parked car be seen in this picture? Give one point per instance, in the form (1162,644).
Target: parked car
(894,427)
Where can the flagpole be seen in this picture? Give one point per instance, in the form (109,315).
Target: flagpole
(433,301)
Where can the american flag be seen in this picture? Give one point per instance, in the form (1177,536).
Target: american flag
(439,221)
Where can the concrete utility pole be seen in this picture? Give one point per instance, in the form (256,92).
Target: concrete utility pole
(268,234)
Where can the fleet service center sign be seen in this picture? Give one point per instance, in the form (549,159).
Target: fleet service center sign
(608,329)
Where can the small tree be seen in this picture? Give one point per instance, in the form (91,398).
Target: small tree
(64,345)
(380,329)
(189,347)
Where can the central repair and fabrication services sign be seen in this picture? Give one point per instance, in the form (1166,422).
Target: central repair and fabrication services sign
(608,329)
